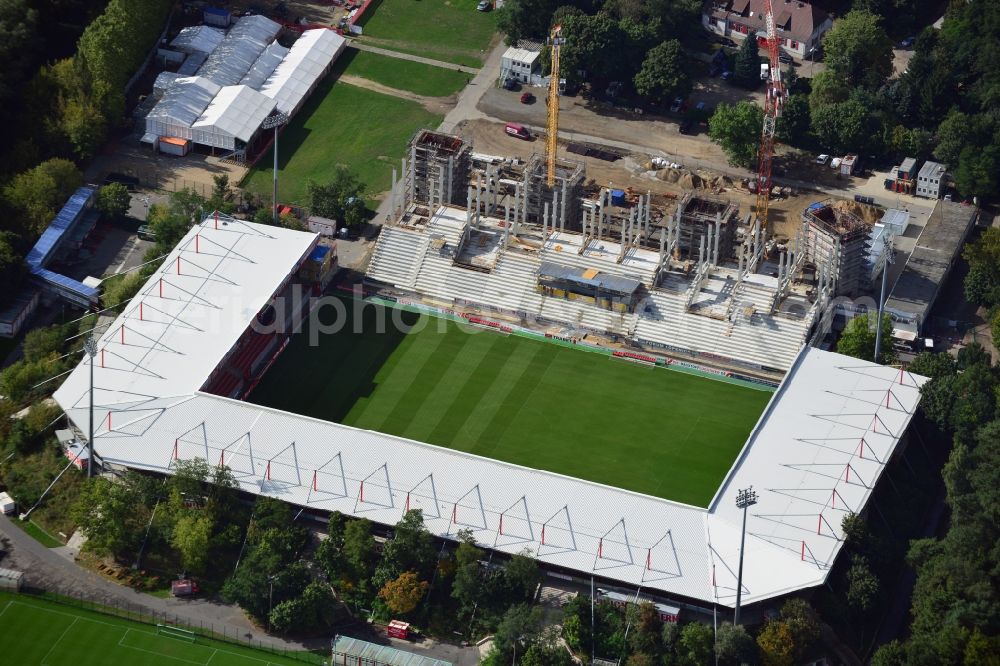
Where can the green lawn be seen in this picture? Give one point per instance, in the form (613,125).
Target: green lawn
(403,74)
(36,632)
(341,124)
(448,30)
(38,534)
(533,403)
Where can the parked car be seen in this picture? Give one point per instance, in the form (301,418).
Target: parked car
(726,75)
(676,106)
(519,131)
(511,84)
(484,6)
(131,183)
(822,159)
(686,127)
(527,98)
(908,42)
(784,58)
(835,163)
(145,233)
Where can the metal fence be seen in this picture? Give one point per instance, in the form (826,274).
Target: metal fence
(134,612)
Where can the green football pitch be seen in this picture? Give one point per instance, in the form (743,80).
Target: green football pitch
(34,632)
(530,402)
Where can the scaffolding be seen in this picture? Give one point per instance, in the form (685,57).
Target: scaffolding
(437,171)
(702,216)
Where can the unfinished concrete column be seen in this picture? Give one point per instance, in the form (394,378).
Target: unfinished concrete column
(701,252)
(646,206)
(663,242)
(545,221)
(562,211)
(468,206)
(715,250)
(526,194)
(517,209)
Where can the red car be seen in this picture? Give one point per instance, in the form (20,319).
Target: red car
(527,98)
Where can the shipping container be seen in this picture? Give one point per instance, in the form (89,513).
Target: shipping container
(171,145)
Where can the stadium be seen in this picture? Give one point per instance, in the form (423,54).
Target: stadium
(594,385)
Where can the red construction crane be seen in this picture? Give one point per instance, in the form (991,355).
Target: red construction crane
(774,100)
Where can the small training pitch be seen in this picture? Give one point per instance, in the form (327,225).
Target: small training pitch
(34,632)
(526,401)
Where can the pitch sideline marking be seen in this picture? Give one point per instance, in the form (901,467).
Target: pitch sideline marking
(61,636)
(6,607)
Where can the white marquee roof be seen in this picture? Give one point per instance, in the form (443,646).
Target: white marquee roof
(264,66)
(815,453)
(306,62)
(198,39)
(236,54)
(237,111)
(185,100)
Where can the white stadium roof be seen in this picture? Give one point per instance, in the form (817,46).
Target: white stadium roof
(815,454)
(306,63)
(237,111)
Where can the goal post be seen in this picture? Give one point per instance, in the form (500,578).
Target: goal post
(171,631)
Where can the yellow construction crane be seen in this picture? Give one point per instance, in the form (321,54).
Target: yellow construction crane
(555,41)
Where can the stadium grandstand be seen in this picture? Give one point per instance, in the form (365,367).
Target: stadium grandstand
(161,395)
(229,83)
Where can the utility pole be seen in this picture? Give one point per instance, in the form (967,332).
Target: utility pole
(274,122)
(90,348)
(744,500)
(887,252)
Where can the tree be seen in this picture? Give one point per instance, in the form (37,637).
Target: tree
(858,339)
(696,644)
(521,576)
(862,585)
(411,548)
(977,169)
(733,645)
(341,198)
(828,88)
(113,515)
(648,628)
(17,39)
(305,613)
(736,128)
(803,623)
(932,365)
(794,126)
(41,343)
(746,69)
(468,586)
(663,74)
(957,131)
(845,127)
(191,539)
(520,627)
(12,266)
(39,193)
(113,200)
(359,550)
(858,50)
(892,653)
(404,593)
(776,644)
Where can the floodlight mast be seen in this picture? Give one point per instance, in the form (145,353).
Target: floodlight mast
(887,252)
(744,500)
(90,348)
(274,122)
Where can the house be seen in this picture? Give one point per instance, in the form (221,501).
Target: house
(518,64)
(931,180)
(799,25)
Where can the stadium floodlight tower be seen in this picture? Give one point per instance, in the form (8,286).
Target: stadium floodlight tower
(90,348)
(887,252)
(275,122)
(744,499)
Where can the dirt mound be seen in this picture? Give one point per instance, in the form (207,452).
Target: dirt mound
(869,214)
(669,175)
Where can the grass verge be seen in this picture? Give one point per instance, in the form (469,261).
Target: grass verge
(341,124)
(447,30)
(406,75)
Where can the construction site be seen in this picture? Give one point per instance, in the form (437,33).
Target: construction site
(694,277)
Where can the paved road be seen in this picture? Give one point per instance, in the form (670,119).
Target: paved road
(54,570)
(360,46)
